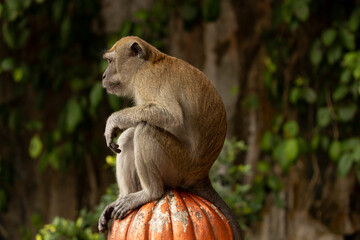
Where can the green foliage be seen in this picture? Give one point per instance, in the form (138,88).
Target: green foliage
(82,227)
(326,103)
(246,200)
(65,229)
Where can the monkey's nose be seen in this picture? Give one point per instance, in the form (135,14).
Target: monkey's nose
(103,76)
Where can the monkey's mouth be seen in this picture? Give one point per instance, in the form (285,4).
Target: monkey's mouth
(110,85)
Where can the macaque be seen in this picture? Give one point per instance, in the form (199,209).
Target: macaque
(173,134)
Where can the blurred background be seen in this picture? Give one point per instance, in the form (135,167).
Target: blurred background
(289,75)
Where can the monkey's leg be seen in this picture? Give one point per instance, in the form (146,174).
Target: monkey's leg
(126,174)
(155,168)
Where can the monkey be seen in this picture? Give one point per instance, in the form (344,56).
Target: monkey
(170,137)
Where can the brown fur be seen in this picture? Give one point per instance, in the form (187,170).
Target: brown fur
(173,134)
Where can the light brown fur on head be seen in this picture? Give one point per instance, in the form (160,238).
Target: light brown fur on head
(174,132)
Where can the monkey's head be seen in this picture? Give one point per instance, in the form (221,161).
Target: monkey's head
(124,59)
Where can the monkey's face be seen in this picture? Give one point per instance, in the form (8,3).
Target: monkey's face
(124,60)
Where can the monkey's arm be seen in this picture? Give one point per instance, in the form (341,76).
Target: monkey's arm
(149,113)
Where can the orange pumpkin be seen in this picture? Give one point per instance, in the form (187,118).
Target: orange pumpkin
(178,215)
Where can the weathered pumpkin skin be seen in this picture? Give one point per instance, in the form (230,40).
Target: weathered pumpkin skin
(178,215)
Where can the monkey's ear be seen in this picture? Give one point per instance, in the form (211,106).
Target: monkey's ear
(137,50)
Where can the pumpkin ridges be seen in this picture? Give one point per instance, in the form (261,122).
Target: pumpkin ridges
(219,223)
(208,234)
(182,223)
(160,221)
(171,223)
(119,228)
(139,226)
(133,215)
(182,195)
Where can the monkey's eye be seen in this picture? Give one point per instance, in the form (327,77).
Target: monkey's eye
(109,60)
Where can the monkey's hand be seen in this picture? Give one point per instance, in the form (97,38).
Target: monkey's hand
(111,131)
(105,217)
(123,207)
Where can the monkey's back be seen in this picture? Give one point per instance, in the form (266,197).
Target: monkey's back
(178,85)
(203,112)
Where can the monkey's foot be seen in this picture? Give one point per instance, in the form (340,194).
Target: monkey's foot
(123,207)
(105,217)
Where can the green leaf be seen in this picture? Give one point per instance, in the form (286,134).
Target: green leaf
(344,164)
(356,154)
(348,39)
(8,35)
(345,76)
(350,144)
(334,54)
(350,59)
(291,129)
(328,36)
(263,167)
(316,53)
(325,142)
(295,94)
(280,155)
(315,141)
(35,146)
(356,72)
(354,20)
(7,64)
(301,10)
(270,65)
(12,9)
(340,92)
(244,169)
(346,112)
(291,149)
(267,141)
(96,95)
(65,31)
(309,95)
(18,74)
(111,160)
(57,10)
(335,150)
(211,10)
(25,33)
(323,117)
(274,183)
(73,115)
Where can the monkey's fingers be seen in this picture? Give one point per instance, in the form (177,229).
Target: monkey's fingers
(105,217)
(102,225)
(114,147)
(120,213)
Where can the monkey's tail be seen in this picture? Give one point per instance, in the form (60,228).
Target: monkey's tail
(206,190)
